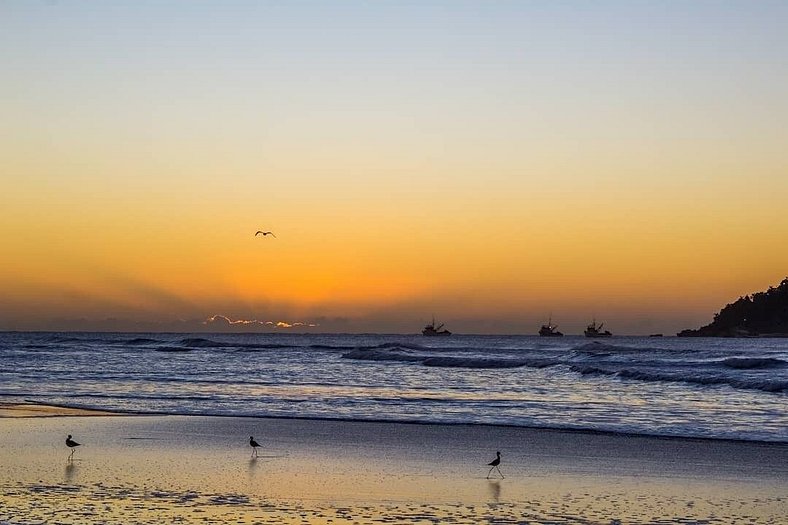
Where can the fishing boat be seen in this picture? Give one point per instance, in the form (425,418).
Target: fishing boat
(593,330)
(550,330)
(432,330)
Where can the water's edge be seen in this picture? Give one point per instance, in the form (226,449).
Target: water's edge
(557,429)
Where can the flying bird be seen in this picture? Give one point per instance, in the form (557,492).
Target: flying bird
(70,443)
(254,444)
(264,233)
(494,465)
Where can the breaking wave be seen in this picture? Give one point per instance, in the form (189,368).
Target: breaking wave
(669,386)
(748,363)
(765,385)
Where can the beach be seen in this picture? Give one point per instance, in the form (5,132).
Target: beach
(198,469)
(366,262)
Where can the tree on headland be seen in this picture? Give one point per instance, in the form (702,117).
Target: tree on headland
(762,313)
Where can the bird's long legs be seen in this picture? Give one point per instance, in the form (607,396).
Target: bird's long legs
(499,471)
(488,474)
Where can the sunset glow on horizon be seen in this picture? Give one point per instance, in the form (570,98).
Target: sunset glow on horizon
(491,164)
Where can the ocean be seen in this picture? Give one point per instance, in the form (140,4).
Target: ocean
(689,387)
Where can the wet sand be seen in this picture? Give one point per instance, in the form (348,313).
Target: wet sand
(8,409)
(180,469)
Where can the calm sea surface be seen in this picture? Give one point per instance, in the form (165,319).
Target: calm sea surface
(719,388)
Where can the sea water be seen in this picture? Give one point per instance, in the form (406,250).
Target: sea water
(691,387)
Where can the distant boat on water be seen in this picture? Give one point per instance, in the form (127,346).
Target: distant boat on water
(550,330)
(432,330)
(593,330)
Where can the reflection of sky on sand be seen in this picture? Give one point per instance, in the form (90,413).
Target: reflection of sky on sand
(200,467)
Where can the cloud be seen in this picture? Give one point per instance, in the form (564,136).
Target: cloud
(283,324)
(226,322)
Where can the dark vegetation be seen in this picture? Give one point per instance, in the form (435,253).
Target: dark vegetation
(761,314)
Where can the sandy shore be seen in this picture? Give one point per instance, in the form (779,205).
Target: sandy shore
(175,469)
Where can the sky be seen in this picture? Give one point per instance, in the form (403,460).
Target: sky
(489,163)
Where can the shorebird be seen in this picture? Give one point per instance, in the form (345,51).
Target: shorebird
(494,465)
(70,443)
(264,233)
(254,444)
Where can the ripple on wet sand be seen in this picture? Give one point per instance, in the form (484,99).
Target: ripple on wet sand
(93,504)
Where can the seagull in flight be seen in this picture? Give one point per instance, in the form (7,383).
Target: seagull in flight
(264,233)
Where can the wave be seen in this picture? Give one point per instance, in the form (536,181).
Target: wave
(138,341)
(200,342)
(593,370)
(404,356)
(604,349)
(381,346)
(61,339)
(476,362)
(154,344)
(173,349)
(683,433)
(765,385)
(409,346)
(375,355)
(253,347)
(748,363)
(384,347)
(150,397)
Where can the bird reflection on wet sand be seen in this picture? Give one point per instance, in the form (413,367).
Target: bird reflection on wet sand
(495,490)
(252,468)
(70,472)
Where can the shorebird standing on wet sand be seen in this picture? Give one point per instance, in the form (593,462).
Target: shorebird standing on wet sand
(495,463)
(254,444)
(70,443)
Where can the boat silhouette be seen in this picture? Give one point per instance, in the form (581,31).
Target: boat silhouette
(432,330)
(593,330)
(550,330)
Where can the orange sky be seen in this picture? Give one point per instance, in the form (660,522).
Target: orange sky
(489,165)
